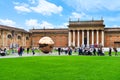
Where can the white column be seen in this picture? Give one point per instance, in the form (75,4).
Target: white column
(88,38)
(69,38)
(103,38)
(92,37)
(82,37)
(97,37)
(73,37)
(78,41)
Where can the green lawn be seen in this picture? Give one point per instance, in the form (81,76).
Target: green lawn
(60,68)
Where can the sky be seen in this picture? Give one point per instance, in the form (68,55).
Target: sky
(37,14)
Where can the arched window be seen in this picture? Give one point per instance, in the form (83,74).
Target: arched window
(27,38)
(19,37)
(9,36)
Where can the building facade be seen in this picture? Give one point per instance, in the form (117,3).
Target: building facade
(13,37)
(59,36)
(79,33)
(86,33)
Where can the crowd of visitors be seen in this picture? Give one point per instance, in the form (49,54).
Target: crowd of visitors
(21,50)
(86,51)
(67,51)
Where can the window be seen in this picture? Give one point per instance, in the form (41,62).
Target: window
(27,38)
(19,37)
(9,36)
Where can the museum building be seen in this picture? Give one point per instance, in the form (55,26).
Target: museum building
(11,37)
(78,34)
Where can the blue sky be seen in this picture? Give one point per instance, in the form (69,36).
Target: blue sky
(27,14)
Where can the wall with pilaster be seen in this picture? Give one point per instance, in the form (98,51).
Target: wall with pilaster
(7,42)
(60,39)
(111,38)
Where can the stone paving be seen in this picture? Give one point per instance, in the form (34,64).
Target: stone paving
(15,55)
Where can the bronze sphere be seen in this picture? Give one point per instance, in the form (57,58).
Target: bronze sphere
(46,44)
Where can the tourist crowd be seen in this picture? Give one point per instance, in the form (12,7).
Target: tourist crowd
(87,51)
(67,51)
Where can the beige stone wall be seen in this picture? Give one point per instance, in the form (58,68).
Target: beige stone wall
(60,37)
(7,42)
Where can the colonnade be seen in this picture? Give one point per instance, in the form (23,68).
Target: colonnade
(78,38)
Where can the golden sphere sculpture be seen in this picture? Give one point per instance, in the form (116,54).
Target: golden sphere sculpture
(46,44)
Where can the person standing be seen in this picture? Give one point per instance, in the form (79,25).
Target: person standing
(33,51)
(69,51)
(59,50)
(79,51)
(5,51)
(66,50)
(94,52)
(110,51)
(28,50)
(20,51)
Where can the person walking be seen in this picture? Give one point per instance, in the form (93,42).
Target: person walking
(115,50)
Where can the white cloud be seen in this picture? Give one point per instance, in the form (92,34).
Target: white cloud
(116,26)
(96,5)
(47,8)
(64,25)
(77,15)
(113,18)
(46,24)
(34,23)
(81,16)
(113,26)
(22,7)
(42,6)
(32,1)
(7,22)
